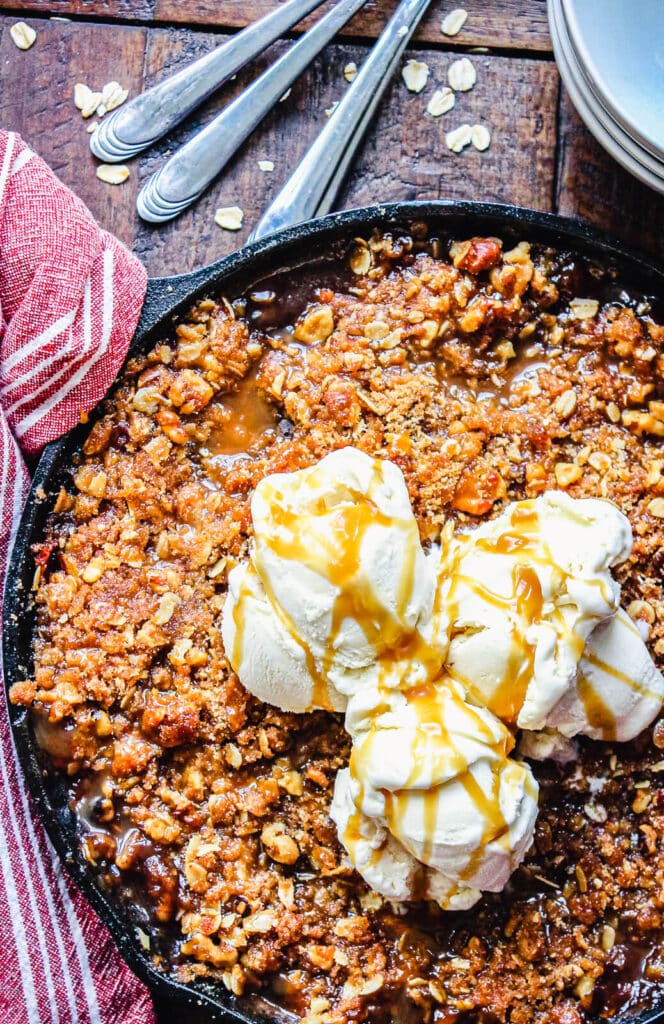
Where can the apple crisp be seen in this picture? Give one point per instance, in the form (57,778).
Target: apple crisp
(487,374)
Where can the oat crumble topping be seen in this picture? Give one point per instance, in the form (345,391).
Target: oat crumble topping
(487,375)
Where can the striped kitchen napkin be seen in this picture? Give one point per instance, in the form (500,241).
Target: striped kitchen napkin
(70,298)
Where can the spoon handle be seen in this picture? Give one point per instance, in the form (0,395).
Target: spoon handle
(138,124)
(192,167)
(312,188)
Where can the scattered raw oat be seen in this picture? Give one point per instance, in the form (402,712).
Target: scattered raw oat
(82,95)
(459,138)
(330,110)
(350,71)
(454,22)
(266,165)
(92,127)
(462,75)
(441,101)
(415,74)
(481,137)
(112,174)
(22,35)
(286,95)
(85,99)
(113,95)
(229,218)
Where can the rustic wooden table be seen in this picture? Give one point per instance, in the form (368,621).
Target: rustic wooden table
(540,156)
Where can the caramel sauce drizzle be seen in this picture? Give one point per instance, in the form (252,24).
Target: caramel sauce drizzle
(336,556)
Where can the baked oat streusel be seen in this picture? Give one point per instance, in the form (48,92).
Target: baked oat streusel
(486,376)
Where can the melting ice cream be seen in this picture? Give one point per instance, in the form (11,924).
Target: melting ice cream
(436,658)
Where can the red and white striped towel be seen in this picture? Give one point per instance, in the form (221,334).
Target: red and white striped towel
(70,298)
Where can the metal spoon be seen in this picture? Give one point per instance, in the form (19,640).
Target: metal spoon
(312,188)
(191,169)
(138,124)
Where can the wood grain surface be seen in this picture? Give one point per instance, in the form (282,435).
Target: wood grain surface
(504,24)
(404,155)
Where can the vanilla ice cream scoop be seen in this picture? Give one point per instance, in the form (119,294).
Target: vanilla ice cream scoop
(269,658)
(338,564)
(437,660)
(618,689)
(430,783)
(527,594)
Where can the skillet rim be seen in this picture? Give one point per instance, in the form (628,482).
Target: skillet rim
(166,299)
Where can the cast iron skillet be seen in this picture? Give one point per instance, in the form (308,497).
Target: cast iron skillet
(167,300)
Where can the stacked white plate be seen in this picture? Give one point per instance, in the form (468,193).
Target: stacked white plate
(610,55)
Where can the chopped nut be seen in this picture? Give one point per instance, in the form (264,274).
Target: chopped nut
(642,422)
(583,309)
(460,963)
(259,923)
(94,570)
(322,956)
(371,900)
(147,400)
(567,473)
(350,71)
(279,846)
(581,879)
(608,939)
(112,174)
(167,605)
(277,385)
(641,801)
(266,165)
(565,404)
(233,755)
(641,610)
(600,461)
(372,985)
(179,651)
(584,986)
(656,508)
(316,326)
(22,35)
(481,137)
(462,75)
(415,74)
(459,138)
(453,22)
(286,890)
(171,424)
(441,101)
(229,218)
(292,782)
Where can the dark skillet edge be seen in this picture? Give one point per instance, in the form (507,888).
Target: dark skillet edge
(166,299)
